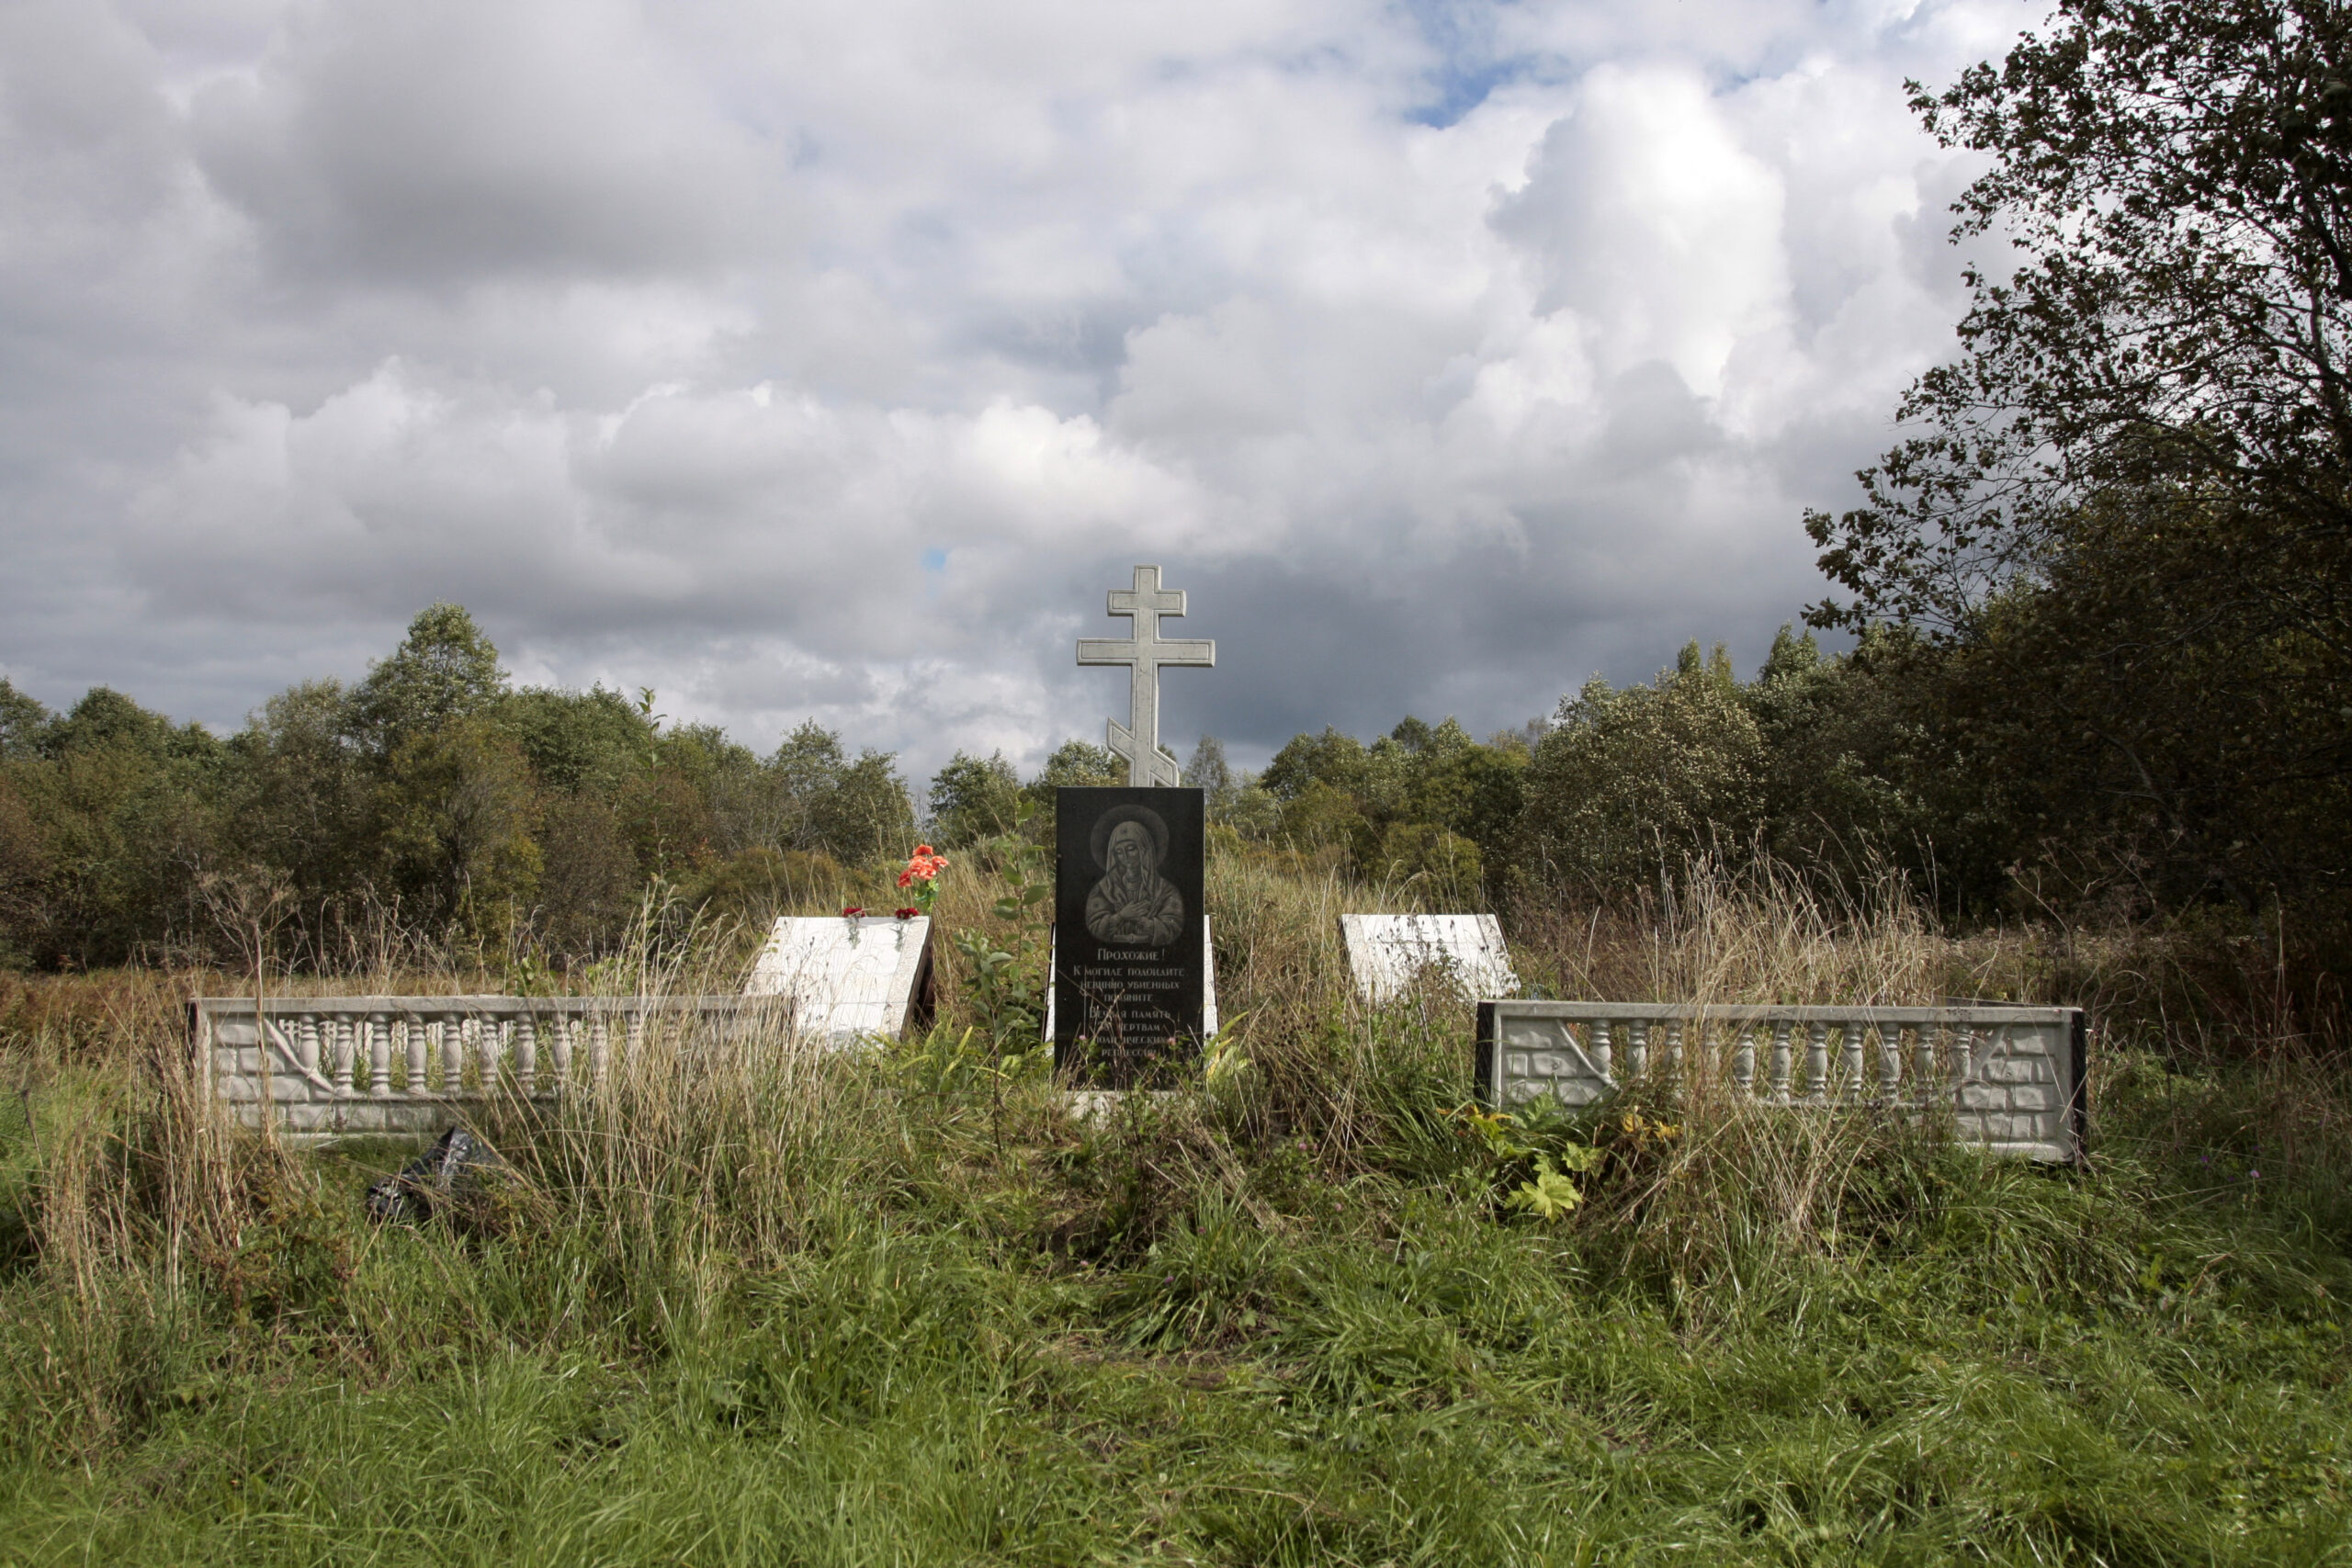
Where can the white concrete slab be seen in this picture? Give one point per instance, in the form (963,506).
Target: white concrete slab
(848,978)
(1385,952)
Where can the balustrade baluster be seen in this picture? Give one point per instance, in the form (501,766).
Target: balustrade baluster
(493,1051)
(526,1054)
(1743,1059)
(1850,1038)
(563,1025)
(600,1047)
(379,1055)
(1817,1061)
(413,1027)
(1599,1040)
(1923,1061)
(1962,1052)
(1637,1048)
(1890,1061)
(305,1041)
(636,1040)
(1780,1061)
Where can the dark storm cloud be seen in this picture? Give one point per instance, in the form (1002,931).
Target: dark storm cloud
(834,362)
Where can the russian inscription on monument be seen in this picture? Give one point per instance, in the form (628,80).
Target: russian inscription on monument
(1128,960)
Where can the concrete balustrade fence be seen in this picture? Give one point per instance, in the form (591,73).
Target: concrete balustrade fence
(316,1066)
(2010,1078)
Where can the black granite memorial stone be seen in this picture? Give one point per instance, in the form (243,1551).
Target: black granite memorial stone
(1128,954)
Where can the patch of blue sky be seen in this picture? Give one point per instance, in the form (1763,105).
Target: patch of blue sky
(1467,68)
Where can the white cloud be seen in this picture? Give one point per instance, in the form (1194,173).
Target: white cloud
(1645,216)
(834,361)
(416,141)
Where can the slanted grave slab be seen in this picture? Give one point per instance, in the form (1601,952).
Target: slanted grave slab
(849,976)
(1387,952)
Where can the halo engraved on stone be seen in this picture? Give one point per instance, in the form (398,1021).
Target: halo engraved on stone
(1099,841)
(1105,922)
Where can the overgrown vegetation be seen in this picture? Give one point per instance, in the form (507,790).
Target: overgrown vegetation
(518,826)
(758,1304)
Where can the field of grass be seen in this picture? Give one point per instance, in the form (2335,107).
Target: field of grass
(903,1309)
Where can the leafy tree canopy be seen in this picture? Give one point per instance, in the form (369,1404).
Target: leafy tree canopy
(2126,508)
(22,719)
(444,668)
(576,740)
(1081,762)
(973,798)
(2176,181)
(1629,783)
(1209,772)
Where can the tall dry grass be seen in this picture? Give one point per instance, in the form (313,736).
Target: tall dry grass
(722,1157)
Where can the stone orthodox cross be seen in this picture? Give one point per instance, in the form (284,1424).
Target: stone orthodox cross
(1139,740)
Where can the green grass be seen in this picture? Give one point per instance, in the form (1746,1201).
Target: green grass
(901,1311)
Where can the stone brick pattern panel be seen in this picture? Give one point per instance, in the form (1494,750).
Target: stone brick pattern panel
(321,1067)
(2011,1078)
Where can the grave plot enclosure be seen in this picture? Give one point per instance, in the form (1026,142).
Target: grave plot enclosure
(2011,1078)
(317,1066)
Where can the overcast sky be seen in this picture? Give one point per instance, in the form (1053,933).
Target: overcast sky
(833,360)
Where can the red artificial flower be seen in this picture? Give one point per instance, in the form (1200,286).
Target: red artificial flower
(909,914)
(852,910)
(925,864)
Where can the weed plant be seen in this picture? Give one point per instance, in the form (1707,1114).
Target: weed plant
(765,1303)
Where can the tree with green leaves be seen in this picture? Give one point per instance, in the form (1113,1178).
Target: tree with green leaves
(303,807)
(594,741)
(1630,784)
(444,668)
(851,808)
(117,821)
(1424,802)
(22,720)
(1078,762)
(2175,180)
(2125,511)
(459,829)
(1209,772)
(867,814)
(973,798)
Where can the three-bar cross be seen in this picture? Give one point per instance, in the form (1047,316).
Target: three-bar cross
(1139,740)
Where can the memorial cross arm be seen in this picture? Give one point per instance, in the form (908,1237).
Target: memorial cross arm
(1146,653)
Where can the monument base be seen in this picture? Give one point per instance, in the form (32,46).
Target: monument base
(1091,1105)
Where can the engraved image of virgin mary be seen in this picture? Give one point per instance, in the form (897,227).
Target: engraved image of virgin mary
(1132,905)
